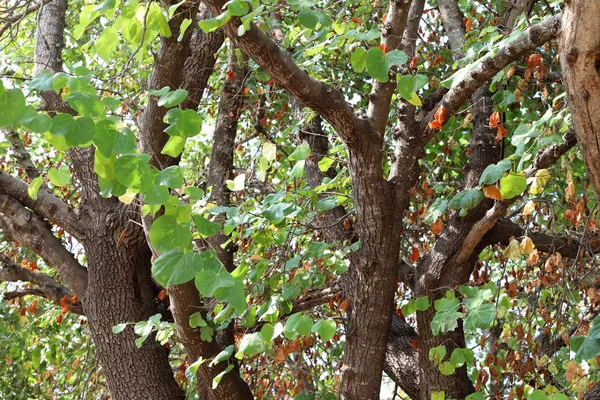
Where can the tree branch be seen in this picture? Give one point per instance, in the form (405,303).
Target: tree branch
(486,67)
(452,18)
(322,98)
(47,205)
(47,287)
(21,154)
(381,94)
(30,230)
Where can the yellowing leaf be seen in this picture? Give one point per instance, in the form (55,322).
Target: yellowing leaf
(492,192)
(527,246)
(529,208)
(269,151)
(127,198)
(570,191)
(513,250)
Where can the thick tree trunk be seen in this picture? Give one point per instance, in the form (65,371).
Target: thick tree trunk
(120,290)
(580,64)
(120,287)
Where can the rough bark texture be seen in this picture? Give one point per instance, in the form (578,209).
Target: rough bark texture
(120,288)
(185,298)
(580,63)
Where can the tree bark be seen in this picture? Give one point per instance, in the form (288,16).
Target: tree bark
(580,63)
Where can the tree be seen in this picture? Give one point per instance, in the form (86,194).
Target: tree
(296,189)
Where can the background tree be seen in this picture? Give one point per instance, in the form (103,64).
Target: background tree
(238,200)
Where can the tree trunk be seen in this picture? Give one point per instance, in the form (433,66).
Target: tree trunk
(580,64)
(120,290)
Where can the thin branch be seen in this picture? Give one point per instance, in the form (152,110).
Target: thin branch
(322,98)
(485,68)
(47,205)
(47,286)
(381,94)
(30,230)
(21,154)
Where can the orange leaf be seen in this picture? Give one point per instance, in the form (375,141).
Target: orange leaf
(414,256)
(63,301)
(500,134)
(534,60)
(413,62)
(384,47)
(344,305)
(356,20)
(255,257)
(162,295)
(468,25)
(415,344)
(494,119)
(74,300)
(33,307)
(437,226)
(59,320)
(492,192)
(384,18)
(438,118)
(230,75)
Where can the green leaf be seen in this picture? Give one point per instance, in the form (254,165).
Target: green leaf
(326,204)
(422,303)
(109,140)
(358,60)
(379,63)
(512,185)
(446,368)
(466,199)
(300,153)
(302,4)
(196,320)
(312,19)
(12,104)
(86,103)
(445,320)
(537,395)
(326,328)
(437,354)
(107,43)
(277,212)
(166,234)
(34,186)
(494,172)
(185,24)
(174,146)
(176,267)
(184,123)
(234,295)
(298,169)
(208,280)
(212,24)
(35,121)
(171,177)
(585,347)
(130,169)
(76,130)
(238,8)
(205,227)
(325,163)
(173,98)
(59,177)
(408,86)
(481,317)
(119,328)
(223,355)
(43,81)
(438,396)
(250,345)
(297,324)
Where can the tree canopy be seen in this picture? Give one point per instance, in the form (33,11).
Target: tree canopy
(299,199)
